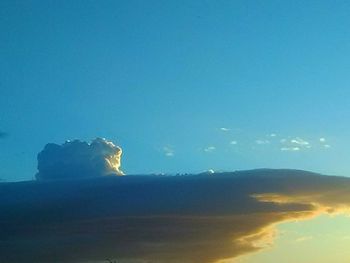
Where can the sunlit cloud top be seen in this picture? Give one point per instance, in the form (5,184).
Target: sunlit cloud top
(75,159)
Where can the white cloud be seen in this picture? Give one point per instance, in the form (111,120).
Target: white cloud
(79,159)
(224,129)
(233,142)
(262,142)
(294,144)
(324,143)
(210,149)
(273,135)
(168,151)
(299,141)
(292,149)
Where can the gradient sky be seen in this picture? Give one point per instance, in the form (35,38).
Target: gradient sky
(322,240)
(181,86)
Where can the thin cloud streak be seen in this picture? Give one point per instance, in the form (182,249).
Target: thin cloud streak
(261,142)
(210,149)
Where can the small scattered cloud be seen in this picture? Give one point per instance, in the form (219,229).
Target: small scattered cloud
(322,140)
(278,142)
(210,149)
(76,159)
(290,149)
(324,143)
(168,151)
(294,144)
(262,142)
(299,141)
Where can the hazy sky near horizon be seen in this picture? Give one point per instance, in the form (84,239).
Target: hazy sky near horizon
(181,86)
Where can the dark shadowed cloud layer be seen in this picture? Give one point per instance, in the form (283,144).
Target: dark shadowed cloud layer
(196,218)
(76,159)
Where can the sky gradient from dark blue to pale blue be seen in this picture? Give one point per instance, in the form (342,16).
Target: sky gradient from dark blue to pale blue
(161,78)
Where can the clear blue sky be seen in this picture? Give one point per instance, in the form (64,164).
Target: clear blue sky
(161,78)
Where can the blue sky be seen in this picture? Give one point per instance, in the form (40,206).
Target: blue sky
(161,78)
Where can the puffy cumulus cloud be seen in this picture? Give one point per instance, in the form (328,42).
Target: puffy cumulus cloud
(207,218)
(76,159)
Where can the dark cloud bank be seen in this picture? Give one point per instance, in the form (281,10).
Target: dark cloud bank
(196,218)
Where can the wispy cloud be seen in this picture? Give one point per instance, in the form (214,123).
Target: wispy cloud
(324,143)
(290,149)
(262,142)
(168,151)
(224,129)
(233,142)
(210,149)
(299,141)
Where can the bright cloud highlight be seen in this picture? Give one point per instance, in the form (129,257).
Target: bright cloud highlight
(76,159)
